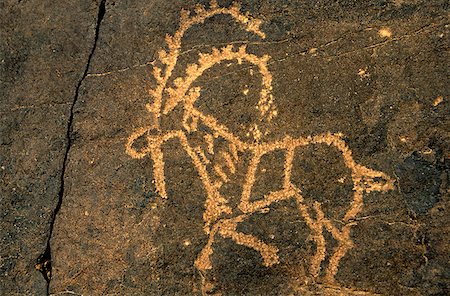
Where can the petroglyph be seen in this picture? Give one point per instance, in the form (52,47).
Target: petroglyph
(220,219)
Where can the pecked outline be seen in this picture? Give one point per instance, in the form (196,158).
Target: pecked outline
(219,217)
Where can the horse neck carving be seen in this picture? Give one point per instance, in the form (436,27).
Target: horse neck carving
(166,98)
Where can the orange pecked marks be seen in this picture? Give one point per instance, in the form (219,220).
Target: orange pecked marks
(219,218)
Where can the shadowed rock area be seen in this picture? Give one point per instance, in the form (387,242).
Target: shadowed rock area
(224,148)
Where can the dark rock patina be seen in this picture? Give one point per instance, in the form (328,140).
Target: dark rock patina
(75,81)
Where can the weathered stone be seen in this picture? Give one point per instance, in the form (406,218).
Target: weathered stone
(44,46)
(361,200)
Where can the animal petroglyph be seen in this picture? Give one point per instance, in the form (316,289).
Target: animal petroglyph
(220,219)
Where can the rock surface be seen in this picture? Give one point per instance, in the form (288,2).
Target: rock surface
(44,46)
(361,87)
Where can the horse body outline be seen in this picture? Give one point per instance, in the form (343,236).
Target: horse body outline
(219,217)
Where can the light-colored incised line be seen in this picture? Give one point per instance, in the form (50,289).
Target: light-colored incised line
(219,129)
(209,139)
(206,61)
(218,170)
(317,236)
(269,253)
(131,139)
(269,199)
(203,261)
(220,219)
(215,204)
(229,162)
(234,152)
(288,167)
(244,204)
(202,155)
(169,58)
(345,244)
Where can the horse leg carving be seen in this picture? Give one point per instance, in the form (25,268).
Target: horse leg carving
(268,252)
(203,261)
(317,235)
(344,245)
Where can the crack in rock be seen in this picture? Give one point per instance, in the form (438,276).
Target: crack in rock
(44,261)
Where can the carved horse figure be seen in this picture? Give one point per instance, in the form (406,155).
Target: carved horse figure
(219,217)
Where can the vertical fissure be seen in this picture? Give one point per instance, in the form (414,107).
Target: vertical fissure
(44,262)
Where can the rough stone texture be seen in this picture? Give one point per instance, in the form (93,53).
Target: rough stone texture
(333,71)
(44,46)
